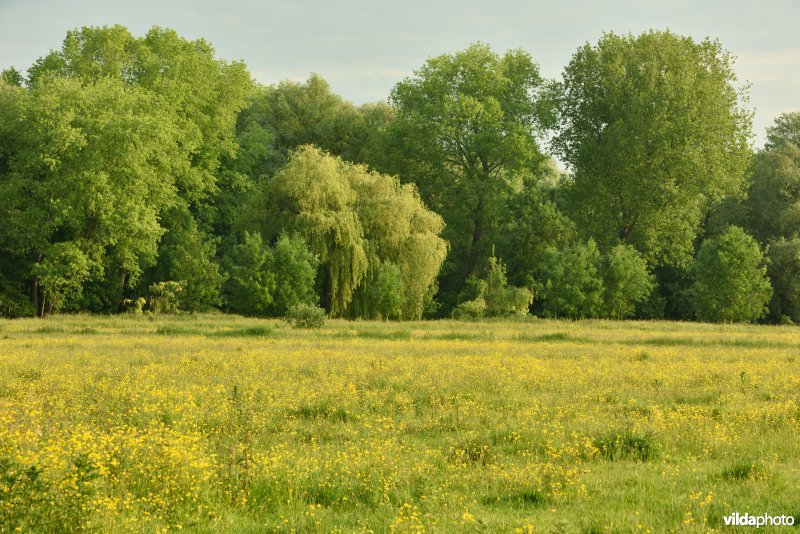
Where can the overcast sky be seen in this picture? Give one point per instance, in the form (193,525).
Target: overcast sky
(364,47)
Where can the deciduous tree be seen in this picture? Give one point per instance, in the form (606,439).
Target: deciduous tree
(656,135)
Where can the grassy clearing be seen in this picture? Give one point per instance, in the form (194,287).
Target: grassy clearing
(213,423)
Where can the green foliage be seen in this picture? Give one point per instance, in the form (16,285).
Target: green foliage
(250,283)
(263,281)
(773,200)
(88,167)
(471,309)
(656,135)
(165,297)
(353,220)
(305,316)
(730,281)
(493,297)
(12,76)
(626,280)
(61,274)
(387,291)
(188,256)
(109,133)
(202,94)
(465,133)
(135,306)
(295,270)
(533,223)
(501,300)
(571,284)
(783,269)
(289,114)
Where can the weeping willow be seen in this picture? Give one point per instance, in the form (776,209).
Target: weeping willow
(354,220)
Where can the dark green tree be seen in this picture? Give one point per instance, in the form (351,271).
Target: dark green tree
(250,282)
(656,135)
(570,282)
(773,200)
(783,271)
(295,270)
(730,279)
(465,133)
(534,223)
(626,280)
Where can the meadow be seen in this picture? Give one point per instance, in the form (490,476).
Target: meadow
(211,423)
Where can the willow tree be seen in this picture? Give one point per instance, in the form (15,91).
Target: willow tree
(355,221)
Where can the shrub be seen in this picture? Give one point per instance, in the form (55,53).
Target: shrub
(571,285)
(472,309)
(387,291)
(165,297)
(493,297)
(305,316)
(627,281)
(502,300)
(730,280)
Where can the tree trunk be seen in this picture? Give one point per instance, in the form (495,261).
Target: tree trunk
(120,293)
(477,235)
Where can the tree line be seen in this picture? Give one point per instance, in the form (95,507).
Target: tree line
(146,173)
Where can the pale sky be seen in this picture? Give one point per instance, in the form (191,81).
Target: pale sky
(364,47)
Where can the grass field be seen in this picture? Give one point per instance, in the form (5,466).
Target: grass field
(218,423)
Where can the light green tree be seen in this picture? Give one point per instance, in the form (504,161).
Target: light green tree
(492,296)
(353,220)
(387,291)
(91,164)
(202,93)
(61,273)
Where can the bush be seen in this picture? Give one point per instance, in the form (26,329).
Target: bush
(730,279)
(305,316)
(472,309)
(493,297)
(165,297)
(502,300)
(387,291)
(571,285)
(627,281)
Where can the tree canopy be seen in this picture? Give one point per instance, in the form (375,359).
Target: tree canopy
(465,133)
(655,132)
(354,220)
(144,173)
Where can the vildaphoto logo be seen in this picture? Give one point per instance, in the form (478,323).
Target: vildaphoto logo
(746,520)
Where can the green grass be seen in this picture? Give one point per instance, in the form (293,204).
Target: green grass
(222,423)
